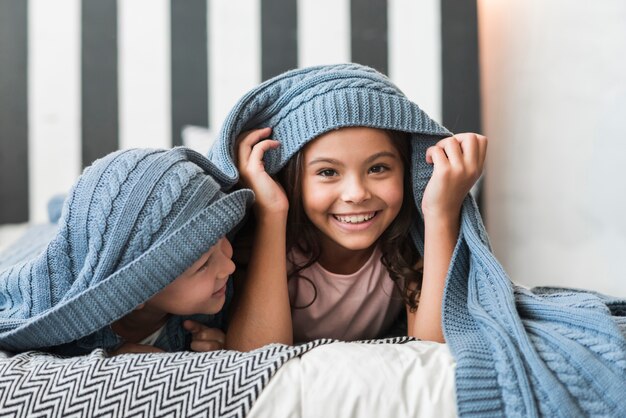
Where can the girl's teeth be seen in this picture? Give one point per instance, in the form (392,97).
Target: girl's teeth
(355,219)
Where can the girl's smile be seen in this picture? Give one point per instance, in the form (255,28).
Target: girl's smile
(353,223)
(352,192)
(355,219)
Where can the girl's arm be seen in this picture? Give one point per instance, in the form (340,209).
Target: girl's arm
(261,313)
(458,162)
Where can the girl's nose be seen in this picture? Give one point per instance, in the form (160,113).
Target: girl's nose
(355,191)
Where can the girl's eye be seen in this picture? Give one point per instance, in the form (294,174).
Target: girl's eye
(378,169)
(327,172)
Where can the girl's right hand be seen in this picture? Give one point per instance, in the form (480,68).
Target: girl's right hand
(270,197)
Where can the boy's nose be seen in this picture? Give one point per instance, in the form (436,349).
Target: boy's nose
(227,250)
(230,267)
(355,191)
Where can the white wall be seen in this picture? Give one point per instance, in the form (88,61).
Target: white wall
(554,106)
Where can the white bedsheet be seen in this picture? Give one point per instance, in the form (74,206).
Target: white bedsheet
(415,379)
(9,233)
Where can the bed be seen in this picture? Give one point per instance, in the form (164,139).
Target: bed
(401,377)
(511,351)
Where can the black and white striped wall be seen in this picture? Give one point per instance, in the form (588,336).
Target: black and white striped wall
(82,78)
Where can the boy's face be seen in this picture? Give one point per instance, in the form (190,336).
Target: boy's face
(201,289)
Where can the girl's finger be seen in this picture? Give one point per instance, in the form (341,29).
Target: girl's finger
(482,147)
(202,346)
(246,141)
(251,137)
(129,348)
(469,148)
(192,326)
(259,150)
(453,151)
(202,332)
(436,155)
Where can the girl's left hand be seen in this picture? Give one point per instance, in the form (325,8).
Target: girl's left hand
(131,348)
(458,163)
(204,338)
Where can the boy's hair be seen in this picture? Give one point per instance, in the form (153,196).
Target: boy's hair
(399,255)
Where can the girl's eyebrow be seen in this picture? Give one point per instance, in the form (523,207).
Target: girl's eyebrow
(369,159)
(325,160)
(380,155)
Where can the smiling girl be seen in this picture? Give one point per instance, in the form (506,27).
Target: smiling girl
(333,252)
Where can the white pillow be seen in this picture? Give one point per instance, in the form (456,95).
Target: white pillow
(198,138)
(415,379)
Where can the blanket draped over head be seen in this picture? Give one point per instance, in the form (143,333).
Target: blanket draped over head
(519,352)
(133,222)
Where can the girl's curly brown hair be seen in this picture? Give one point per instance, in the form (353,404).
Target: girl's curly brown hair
(399,255)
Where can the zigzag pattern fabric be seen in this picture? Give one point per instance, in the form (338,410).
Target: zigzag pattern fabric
(519,352)
(182,384)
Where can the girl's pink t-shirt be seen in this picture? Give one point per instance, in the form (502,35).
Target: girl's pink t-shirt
(348,307)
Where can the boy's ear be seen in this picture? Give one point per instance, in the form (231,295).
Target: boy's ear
(140,306)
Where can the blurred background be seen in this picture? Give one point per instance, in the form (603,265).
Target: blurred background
(544,79)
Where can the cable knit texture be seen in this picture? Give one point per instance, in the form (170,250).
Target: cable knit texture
(132,223)
(519,352)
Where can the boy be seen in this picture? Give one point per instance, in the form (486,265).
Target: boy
(139,247)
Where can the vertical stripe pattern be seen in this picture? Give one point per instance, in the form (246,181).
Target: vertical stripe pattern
(99,79)
(190,103)
(235,57)
(13,111)
(323,44)
(144,73)
(54,145)
(279,37)
(369,33)
(415,51)
(460,83)
(82,78)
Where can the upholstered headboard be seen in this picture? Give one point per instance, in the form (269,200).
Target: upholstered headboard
(80,79)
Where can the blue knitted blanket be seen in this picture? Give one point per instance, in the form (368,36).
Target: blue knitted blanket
(529,352)
(519,352)
(132,223)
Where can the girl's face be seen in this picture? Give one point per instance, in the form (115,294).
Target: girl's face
(352,187)
(201,289)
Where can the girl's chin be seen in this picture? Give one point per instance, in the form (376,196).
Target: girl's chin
(340,244)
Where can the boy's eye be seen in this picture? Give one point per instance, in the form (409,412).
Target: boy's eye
(378,169)
(205,265)
(327,172)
